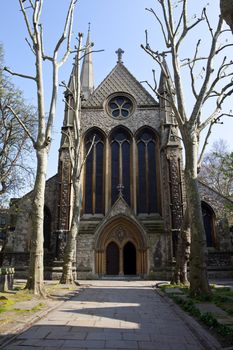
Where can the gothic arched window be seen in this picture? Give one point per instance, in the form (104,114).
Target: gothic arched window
(147,199)
(94,174)
(120,164)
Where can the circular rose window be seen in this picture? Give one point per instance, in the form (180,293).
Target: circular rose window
(120,107)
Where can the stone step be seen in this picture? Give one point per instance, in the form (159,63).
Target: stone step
(121,278)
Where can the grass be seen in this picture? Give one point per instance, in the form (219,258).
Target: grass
(8,299)
(36,308)
(221,297)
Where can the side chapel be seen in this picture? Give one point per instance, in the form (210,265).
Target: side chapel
(133,190)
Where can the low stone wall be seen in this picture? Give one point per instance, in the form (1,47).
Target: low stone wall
(220,259)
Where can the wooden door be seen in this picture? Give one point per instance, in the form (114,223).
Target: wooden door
(112,259)
(129,256)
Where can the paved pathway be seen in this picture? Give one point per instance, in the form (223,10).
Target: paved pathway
(113,315)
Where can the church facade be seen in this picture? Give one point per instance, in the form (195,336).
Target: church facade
(132,187)
(127,224)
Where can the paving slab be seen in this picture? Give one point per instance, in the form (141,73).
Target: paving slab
(173,291)
(213,309)
(116,315)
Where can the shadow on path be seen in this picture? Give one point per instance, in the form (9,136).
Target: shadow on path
(123,316)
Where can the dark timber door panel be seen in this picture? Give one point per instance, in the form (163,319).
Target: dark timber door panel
(129,259)
(112,259)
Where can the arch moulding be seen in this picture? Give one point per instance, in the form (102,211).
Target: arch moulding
(121,230)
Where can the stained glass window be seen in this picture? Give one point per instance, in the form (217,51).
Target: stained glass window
(147,179)
(120,164)
(120,107)
(94,173)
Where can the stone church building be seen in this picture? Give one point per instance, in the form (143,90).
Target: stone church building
(132,186)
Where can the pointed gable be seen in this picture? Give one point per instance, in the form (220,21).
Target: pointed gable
(120,80)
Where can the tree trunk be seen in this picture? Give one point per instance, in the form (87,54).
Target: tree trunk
(75,156)
(198,253)
(180,275)
(35,281)
(70,249)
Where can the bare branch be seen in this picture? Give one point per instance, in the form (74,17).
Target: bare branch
(30,46)
(26,18)
(191,68)
(225,94)
(158,58)
(93,51)
(85,158)
(208,70)
(208,23)
(19,74)
(161,26)
(154,89)
(182,16)
(215,115)
(68,105)
(40,2)
(22,124)
(186,28)
(69,19)
(68,39)
(223,48)
(67,27)
(220,75)
(204,146)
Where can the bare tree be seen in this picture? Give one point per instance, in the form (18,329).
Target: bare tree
(74,140)
(216,169)
(77,162)
(32,12)
(192,118)
(16,169)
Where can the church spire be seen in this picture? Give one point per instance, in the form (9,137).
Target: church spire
(165,78)
(87,76)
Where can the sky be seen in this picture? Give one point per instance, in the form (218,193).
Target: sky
(114,24)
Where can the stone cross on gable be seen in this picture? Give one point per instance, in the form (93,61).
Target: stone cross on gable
(120,188)
(119,53)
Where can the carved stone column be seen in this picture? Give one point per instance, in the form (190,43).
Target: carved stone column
(176,200)
(63,200)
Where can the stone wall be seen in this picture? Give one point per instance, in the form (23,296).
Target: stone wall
(85,256)
(99,118)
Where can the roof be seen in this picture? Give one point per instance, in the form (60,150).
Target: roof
(120,80)
(213,190)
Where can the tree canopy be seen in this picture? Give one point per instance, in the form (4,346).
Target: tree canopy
(16,156)
(217,169)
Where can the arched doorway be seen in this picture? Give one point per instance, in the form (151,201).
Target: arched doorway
(121,248)
(129,258)
(208,221)
(47,228)
(112,259)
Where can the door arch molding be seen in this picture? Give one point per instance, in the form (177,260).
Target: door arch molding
(121,230)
